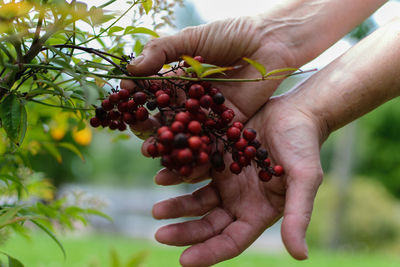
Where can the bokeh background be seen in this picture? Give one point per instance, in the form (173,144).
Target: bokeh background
(356,219)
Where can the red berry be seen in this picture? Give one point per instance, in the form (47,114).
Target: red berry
(243,161)
(235,168)
(267,162)
(199,59)
(152,150)
(167,161)
(142,114)
(183,117)
(106,104)
(166,137)
(131,105)
(162,150)
(202,158)
(140,98)
(241,144)
(218,108)
(95,122)
(161,130)
(185,156)
(194,127)
(264,176)
(205,139)
(185,170)
(114,98)
(192,105)
(214,91)
(255,143)
(115,115)
(206,101)
(201,116)
(238,125)
(210,123)
(105,122)
(123,107)
(250,152)
(196,91)
(233,134)
(121,126)
(177,127)
(249,134)
(278,170)
(167,91)
(129,118)
(113,125)
(159,92)
(154,88)
(124,94)
(163,100)
(195,143)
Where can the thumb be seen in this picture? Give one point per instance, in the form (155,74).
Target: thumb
(302,188)
(164,50)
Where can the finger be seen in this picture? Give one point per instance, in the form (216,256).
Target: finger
(149,125)
(302,188)
(198,203)
(163,50)
(167,177)
(232,241)
(192,232)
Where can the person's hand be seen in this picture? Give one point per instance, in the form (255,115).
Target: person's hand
(237,209)
(223,43)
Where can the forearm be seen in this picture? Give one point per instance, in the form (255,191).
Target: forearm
(309,27)
(357,82)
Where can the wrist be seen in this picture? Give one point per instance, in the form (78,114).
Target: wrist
(309,27)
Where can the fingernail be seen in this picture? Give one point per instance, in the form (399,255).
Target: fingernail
(136,60)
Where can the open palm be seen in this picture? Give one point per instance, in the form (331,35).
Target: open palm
(237,209)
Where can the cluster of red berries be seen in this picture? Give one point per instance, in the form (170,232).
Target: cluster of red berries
(194,131)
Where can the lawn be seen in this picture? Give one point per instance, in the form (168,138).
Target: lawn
(94,250)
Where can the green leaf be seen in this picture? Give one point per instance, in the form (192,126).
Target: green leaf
(12,262)
(114,29)
(256,65)
(51,235)
(107,4)
(72,148)
(278,71)
(142,30)
(137,259)
(114,259)
(197,66)
(8,215)
(52,149)
(215,71)
(98,213)
(14,118)
(147,5)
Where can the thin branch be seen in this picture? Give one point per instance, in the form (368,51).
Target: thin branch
(86,49)
(183,78)
(56,106)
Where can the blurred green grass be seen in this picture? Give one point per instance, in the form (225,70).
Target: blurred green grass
(94,250)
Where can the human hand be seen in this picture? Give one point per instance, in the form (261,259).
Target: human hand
(223,43)
(237,209)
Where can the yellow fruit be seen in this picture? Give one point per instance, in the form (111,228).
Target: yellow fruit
(82,137)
